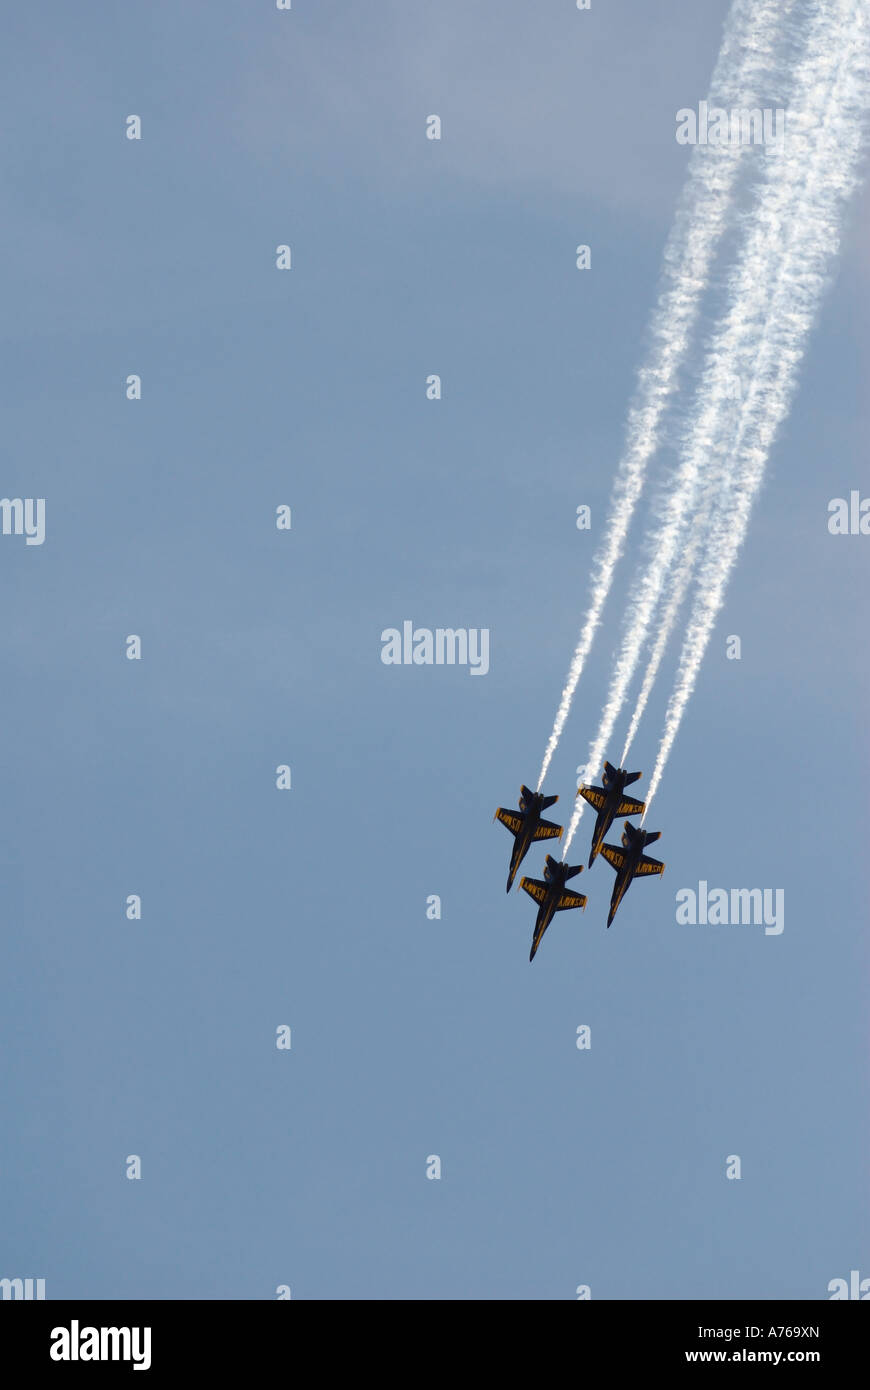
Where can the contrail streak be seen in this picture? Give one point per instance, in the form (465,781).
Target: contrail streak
(827,149)
(678,584)
(748,49)
(664,627)
(734,349)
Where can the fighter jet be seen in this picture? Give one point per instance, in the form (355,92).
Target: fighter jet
(526,826)
(552,895)
(630,862)
(609,802)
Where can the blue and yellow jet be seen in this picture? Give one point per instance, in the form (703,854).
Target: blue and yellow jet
(527,826)
(630,862)
(552,896)
(610,801)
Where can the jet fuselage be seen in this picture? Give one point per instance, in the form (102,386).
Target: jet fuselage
(527,825)
(607,814)
(634,842)
(552,894)
(610,802)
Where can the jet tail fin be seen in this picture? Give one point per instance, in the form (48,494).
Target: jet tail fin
(573,871)
(548,801)
(653,835)
(633,777)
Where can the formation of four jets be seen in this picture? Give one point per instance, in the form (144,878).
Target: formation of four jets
(528,826)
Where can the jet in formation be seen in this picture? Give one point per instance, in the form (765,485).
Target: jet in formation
(527,826)
(610,802)
(552,896)
(630,862)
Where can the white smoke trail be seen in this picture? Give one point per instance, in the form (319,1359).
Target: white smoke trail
(678,584)
(734,350)
(749,48)
(828,148)
(677,588)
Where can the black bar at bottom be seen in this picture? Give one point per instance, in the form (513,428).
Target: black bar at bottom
(209,1339)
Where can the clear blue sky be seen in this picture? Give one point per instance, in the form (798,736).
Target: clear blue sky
(411,1037)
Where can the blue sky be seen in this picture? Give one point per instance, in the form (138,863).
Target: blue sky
(411,1037)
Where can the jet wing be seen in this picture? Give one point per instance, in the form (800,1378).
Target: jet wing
(614,856)
(569,899)
(535,887)
(547,830)
(649,866)
(629,807)
(512,819)
(596,796)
